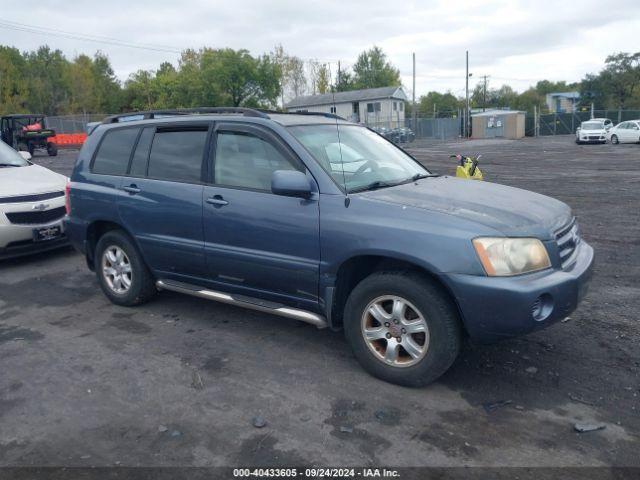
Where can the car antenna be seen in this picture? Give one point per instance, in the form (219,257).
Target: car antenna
(347,200)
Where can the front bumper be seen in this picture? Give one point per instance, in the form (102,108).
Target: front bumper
(499,307)
(17,239)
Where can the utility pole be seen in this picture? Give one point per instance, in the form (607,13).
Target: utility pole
(413,107)
(466,109)
(338,80)
(484,93)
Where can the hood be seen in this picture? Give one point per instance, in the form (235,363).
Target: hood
(29,180)
(509,210)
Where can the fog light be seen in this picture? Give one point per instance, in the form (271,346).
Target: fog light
(542,307)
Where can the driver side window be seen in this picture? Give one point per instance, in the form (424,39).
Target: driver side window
(247,161)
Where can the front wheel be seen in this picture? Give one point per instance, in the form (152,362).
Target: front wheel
(402,328)
(614,139)
(121,271)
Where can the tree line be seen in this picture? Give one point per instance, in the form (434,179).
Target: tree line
(615,87)
(45,81)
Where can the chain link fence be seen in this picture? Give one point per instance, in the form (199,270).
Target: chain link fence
(567,123)
(73,123)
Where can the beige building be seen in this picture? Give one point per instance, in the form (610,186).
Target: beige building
(498,124)
(373,106)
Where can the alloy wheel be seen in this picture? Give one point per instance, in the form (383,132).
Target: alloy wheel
(116,269)
(395,331)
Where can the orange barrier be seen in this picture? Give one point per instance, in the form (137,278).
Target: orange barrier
(68,139)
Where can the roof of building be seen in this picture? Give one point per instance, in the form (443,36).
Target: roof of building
(495,112)
(350,96)
(565,94)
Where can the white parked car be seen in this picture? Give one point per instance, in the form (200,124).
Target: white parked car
(608,123)
(592,131)
(32,205)
(625,132)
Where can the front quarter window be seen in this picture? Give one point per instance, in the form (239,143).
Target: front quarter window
(10,158)
(357,158)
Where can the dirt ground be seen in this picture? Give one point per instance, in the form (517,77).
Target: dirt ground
(178,381)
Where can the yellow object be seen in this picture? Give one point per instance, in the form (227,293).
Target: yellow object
(465,171)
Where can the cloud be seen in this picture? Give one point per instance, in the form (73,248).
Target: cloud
(516,42)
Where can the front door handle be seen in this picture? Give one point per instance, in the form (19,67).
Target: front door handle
(217,200)
(132,189)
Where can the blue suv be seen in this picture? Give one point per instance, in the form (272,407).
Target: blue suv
(315,218)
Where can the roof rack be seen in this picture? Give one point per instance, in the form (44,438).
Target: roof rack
(151,114)
(246,112)
(317,114)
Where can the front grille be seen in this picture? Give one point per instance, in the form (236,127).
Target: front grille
(594,137)
(35,217)
(31,198)
(567,239)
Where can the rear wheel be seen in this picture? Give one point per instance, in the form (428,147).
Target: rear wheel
(402,328)
(52,149)
(121,271)
(614,139)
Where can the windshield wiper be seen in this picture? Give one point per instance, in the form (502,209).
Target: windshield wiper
(2,165)
(373,186)
(418,176)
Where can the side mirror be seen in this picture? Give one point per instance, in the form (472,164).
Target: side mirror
(290,183)
(25,155)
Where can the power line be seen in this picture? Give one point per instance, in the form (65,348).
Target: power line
(23,27)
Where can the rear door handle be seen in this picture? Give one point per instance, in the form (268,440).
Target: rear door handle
(217,200)
(132,189)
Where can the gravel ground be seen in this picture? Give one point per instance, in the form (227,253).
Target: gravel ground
(178,381)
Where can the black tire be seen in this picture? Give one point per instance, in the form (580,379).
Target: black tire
(443,323)
(614,139)
(142,285)
(52,149)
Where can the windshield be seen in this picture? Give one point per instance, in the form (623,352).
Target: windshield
(357,158)
(592,126)
(10,158)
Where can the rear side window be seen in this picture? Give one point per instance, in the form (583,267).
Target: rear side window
(247,161)
(139,161)
(176,155)
(114,152)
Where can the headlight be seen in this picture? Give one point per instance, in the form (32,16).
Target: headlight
(511,256)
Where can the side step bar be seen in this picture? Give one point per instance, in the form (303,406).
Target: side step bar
(243,301)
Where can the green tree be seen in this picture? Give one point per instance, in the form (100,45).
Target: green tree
(13,86)
(324,79)
(373,70)
(240,78)
(443,104)
(49,90)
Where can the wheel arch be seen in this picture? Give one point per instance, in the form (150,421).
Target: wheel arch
(356,268)
(97,229)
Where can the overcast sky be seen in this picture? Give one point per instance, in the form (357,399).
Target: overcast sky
(515,42)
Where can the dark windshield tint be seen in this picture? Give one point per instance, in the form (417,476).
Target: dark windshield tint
(139,162)
(114,152)
(177,155)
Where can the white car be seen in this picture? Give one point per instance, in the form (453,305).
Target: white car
(592,131)
(625,132)
(32,205)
